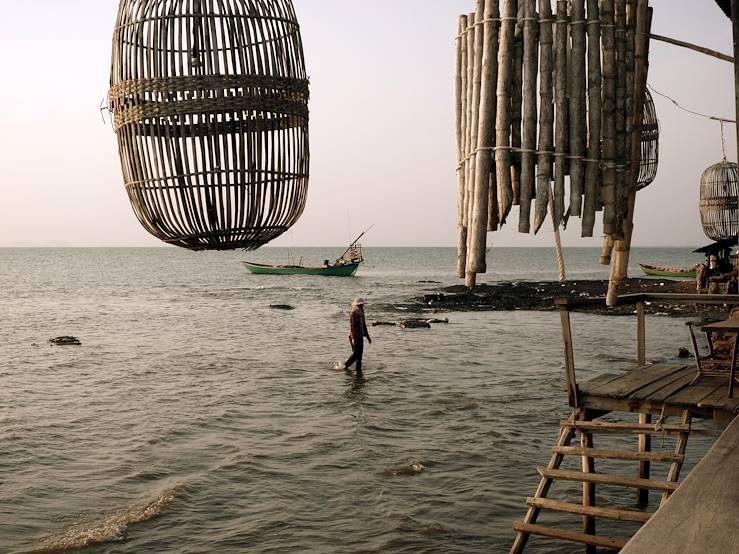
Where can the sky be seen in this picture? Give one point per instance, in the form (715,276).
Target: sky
(383,148)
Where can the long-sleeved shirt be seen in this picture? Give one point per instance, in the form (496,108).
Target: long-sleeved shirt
(357,325)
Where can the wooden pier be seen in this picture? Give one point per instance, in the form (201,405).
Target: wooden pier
(661,399)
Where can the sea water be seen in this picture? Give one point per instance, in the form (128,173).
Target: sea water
(196,418)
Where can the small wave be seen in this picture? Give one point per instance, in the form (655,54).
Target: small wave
(111,529)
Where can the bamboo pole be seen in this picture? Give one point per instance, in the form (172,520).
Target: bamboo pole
(516,104)
(694,47)
(608,125)
(468,80)
(475,130)
(592,166)
(460,91)
(502,116)
(560,101)
(485,141)
(528,139)
(577,106)
(546,118)
(619,269)
(621,139)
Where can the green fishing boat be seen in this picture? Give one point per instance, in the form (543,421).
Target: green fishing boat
(679,272)
(344,266)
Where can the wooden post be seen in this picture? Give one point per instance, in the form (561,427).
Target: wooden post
(546,119)
(517,103)
(528,141)
(608,126)
(588,489)
(461,112)
(485,141)
(641,333)
(645,445)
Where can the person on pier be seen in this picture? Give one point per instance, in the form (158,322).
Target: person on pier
(357,332)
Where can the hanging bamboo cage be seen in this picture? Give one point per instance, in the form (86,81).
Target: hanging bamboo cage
(718,200)
(649,144)
(210,105)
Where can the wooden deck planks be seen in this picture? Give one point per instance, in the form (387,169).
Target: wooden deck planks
(652,388)
(692,395)
(633,381)
(720,400)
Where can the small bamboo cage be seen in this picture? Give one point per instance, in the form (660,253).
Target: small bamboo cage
(649,144)
(718,200)
(210,104)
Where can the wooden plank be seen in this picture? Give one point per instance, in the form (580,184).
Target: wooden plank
(617,454)
(605,513)
(598,426)
(701,515)
(665,392)
(587,386)
(596,540)
(634,380)
(720,400)
(692,395)
(603,479)
(661,383)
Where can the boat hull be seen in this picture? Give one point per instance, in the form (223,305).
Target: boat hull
(345,270)
(668,272)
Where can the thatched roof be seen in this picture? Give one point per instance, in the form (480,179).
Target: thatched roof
(725,5)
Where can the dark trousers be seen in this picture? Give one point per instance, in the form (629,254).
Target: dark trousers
(357,351)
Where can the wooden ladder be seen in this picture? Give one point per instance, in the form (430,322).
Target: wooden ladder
(581,422)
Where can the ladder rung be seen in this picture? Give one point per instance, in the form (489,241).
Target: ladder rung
(641,428)
(596,511)
(595,540)
(644,429)
(603,479)
(618,454)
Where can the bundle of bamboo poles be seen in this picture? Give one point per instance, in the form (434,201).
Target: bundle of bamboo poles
(587,61)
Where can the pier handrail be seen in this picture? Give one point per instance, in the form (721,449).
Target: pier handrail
(639,301)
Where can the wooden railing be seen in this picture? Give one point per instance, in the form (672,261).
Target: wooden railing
(639,301)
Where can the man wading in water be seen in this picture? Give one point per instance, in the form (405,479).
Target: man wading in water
(357,332)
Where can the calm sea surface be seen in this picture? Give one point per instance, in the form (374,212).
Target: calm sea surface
(194,418)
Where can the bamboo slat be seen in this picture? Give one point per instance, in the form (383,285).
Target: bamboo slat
(502,116)
(469,158)
(517,103)
(461,113)
(608,125)
(561,110)
(528,139)
(210,105)
(485,141)
(621,139)
(577,84)
(546,117)
(592,197)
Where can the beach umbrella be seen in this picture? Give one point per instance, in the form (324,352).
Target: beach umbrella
(210,105)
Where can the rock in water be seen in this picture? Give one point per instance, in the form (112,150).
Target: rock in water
(683,352)
(65,341)
(381,323)
(281,307)
(415,324)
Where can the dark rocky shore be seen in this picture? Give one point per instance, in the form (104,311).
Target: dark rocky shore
(540,296)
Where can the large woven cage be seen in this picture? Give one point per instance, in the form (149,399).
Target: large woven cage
(718,200)
(649,144)
(210,104)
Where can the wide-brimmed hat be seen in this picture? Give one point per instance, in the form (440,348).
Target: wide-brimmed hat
(358,301)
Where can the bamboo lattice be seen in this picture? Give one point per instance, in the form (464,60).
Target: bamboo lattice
(718,200)
(210,104)
(649,144)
